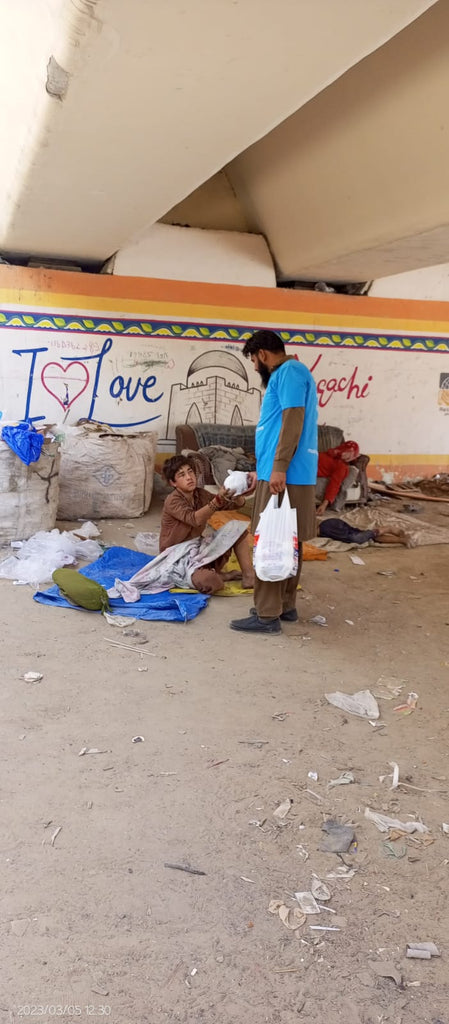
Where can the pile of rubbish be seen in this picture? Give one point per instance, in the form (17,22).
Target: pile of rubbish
(35,560)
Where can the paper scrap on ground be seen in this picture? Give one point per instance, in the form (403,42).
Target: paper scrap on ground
(422,950)
(388,687)
(319,890)
(357,560)
(362,703)
(292,918)
(307,903)
(384,823)
(343,780)
(283,809)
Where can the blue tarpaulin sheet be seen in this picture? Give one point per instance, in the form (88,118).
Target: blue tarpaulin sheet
(122,563)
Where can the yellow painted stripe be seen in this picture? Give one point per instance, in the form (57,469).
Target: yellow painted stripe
(245,314)
(407,460)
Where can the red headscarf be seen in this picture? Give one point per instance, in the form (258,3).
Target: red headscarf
(351,447)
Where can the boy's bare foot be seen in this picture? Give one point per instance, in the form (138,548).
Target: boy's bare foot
(248,582)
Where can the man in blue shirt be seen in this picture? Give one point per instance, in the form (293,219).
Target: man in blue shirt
(286,458)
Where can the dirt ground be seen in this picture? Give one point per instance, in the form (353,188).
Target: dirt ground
(96,926)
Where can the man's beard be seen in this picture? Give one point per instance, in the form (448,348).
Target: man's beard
(263,372)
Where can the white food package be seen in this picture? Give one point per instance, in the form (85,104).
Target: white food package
(237,482)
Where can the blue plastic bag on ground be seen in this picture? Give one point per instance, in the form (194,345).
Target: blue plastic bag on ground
(24,441)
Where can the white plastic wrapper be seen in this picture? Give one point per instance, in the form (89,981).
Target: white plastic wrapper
(237,482)
(35,560)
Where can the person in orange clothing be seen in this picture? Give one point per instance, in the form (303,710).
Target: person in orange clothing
(334,471)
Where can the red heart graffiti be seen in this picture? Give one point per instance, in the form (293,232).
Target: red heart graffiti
(61,383)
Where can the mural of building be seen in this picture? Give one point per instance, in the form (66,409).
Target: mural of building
(216,391)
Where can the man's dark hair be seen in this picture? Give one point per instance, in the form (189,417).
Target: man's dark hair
(171,466)
(268,340)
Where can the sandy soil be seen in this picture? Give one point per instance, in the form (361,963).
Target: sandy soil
(95,923)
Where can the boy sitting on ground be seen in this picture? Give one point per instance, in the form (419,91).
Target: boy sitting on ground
(184,517)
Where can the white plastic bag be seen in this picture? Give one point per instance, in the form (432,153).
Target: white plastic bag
(237,482)
(35,560)
(276,542)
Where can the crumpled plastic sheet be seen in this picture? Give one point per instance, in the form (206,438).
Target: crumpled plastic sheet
(35,560)
(124,563)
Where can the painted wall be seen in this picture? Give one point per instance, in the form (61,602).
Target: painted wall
(148,353)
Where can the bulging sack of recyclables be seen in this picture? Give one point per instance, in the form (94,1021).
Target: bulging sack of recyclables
(276,541)
(105,475)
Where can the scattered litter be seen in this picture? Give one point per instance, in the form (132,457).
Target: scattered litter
(343,872)
(307,903)
(216,764)
(254,743)
(357,560)
(339,837)
(391,850)
(362,703)
(35,560)
(445,828)
(100,991)
(316,795)
(55,835)
(117,620)
(245,879)
(143,668)
(193,972)
(421,950)
(136,635)
(386,572)
(292,918)
(87,531)
(323,928)
(184,867)
(387,970)
(388,687)
(349,622)
(33,677)
(313,776)
(406,709)
(283,809)
(91,750)
(343,780)
(127,647)
(280,716)
(303,852)
(290,970)
(138,739)
(384,823)
(395,776)
(319,620)
(320,891)
(147,543)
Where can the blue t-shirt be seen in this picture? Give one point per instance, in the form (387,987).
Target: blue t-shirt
(291,386)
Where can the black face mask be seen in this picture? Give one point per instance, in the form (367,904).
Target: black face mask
(263,372)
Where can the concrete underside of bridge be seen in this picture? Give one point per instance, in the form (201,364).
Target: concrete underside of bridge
(322,126)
